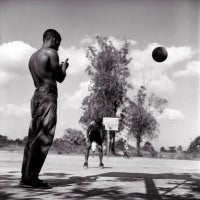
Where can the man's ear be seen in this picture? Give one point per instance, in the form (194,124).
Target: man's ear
(53,40)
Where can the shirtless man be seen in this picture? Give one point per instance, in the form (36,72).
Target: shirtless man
(46,72)
(95,133)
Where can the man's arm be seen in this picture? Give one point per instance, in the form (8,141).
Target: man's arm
(88,133)
(59,70)
(103,133)
(89,129)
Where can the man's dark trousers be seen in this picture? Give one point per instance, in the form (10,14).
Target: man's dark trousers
(41,131)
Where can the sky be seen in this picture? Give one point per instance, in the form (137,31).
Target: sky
(147,24)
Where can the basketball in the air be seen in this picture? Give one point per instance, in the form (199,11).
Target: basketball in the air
(159,54)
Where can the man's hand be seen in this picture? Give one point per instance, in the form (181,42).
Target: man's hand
(65,65)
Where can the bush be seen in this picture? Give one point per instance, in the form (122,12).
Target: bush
(73,141)
(194,146)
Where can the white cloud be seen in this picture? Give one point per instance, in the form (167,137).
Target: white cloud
(76,99)
(119,43)
(15,56)
(163,85)
(86,40)
(192,69)
(77,59)
(178,54)
(152,74)
(171,114)
(5,77)
(10,110)
(142,59)
(14,60)
(160,84)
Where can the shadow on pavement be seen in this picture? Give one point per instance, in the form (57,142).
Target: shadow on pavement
(91,187)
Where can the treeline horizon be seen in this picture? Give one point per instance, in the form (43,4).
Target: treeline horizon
(73,141)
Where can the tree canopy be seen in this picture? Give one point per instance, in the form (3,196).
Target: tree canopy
(109,73)
(194,146)
(139,115)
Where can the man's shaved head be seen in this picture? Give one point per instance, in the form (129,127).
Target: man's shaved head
(51,33)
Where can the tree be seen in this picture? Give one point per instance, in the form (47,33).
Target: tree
(194,146)
(108,71)
(59,145)
(73,141)
(3,140)
(172,149)
(120,144)
(149,147)
(18,142)
(74,137)
(24,140)
(162,149)
(180,148)
(139,116)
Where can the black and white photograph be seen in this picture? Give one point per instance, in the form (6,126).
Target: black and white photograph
(100,99)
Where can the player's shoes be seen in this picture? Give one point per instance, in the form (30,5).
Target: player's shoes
(85,165)
(101,165)
(35,183)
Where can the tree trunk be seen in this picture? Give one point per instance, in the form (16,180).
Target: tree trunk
(112,133)
(112,142)
(138,146)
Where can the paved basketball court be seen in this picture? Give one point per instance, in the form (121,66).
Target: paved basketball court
(137,178)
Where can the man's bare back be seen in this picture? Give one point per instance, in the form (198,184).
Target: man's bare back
(45,69)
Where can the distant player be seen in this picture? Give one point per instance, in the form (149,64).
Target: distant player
(95,133)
